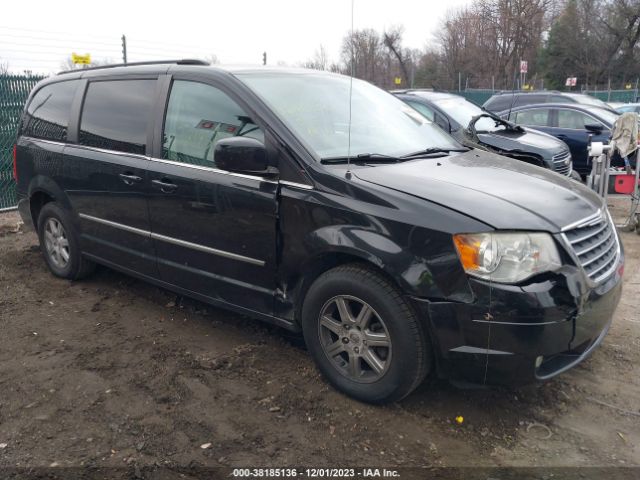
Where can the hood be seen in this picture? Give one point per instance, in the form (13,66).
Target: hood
(496,190)
(529,141)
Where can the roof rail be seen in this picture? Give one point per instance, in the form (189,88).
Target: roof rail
(184,61)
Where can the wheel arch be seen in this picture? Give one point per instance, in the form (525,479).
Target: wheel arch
(325,261)
(43,190)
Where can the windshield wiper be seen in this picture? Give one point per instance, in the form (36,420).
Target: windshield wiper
(433,150)
(363,158)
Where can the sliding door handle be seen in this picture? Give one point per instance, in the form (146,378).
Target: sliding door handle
(129,178)
(164,185)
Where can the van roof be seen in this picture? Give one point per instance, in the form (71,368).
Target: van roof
(154,66)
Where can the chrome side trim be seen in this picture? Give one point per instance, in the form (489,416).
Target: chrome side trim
(110,152)
(202,248)
(303,186)
(126,228)
(175,241)
(213,170)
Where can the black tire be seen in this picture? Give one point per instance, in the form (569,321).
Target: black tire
(406,361)
(76,266)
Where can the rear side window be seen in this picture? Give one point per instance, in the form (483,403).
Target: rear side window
(47,115)
(198,117)
(116,114)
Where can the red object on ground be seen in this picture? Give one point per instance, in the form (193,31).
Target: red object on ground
(624,184)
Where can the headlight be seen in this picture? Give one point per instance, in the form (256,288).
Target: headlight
(507,257)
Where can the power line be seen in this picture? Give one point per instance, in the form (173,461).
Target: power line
(58,32)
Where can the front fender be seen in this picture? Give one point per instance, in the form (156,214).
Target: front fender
(410,272)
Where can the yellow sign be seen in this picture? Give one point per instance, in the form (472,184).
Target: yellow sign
(81,59)
(526,86)
(628,86)
(397,80)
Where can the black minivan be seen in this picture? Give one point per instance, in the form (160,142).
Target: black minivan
(297,198)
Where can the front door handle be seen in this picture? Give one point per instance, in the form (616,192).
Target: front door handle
(129,178)
(164,185)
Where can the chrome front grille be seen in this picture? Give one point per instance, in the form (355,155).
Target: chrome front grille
(562,162)
(595,244)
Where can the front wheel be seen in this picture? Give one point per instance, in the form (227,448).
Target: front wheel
(363,335)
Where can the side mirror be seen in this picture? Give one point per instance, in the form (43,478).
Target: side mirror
(595,128)
(241,154)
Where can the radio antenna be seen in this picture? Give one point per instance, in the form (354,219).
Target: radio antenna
(348,174)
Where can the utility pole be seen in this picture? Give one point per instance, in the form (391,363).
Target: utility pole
(124,49)
(264,58)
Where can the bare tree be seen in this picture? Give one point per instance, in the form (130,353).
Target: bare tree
(486,40)
(319,61)
(212,59)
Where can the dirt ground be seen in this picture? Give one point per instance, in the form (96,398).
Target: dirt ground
(111,371)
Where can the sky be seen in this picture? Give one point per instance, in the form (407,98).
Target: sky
(40,35)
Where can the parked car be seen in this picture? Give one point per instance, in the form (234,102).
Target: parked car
(504,100)
(338,211)
(574,124)
(628,107)
(476,128)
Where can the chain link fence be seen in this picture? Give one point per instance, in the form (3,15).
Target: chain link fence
(14,90)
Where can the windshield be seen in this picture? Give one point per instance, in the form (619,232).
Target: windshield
(315,106)
(462,111)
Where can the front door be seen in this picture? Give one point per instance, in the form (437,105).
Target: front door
(214,231)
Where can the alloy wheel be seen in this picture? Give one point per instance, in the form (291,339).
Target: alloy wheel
(56,242)
(355,338)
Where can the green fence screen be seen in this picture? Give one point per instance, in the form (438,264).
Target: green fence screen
(14,90)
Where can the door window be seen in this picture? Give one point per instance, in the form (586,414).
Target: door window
(47,115)
(538,117)
(116,114)
(574,119)
(198,117)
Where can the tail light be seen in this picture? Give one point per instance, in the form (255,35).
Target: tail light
(15,163)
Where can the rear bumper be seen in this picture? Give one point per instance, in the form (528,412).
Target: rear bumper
(518,335)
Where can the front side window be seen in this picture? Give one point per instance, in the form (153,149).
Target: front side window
(574,120)
(116,115)
(198,117)
(316,107)
(538,117)
(47,115)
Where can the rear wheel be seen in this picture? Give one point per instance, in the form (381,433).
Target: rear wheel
(364,336)
(59,243)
